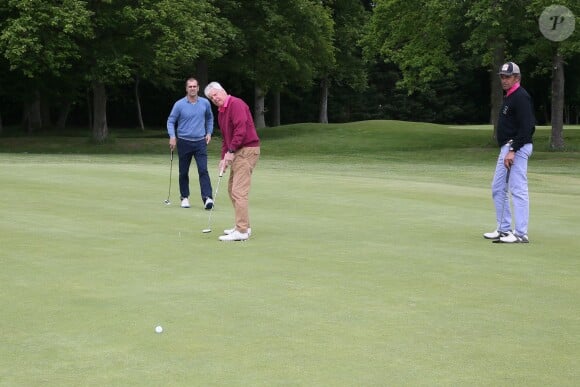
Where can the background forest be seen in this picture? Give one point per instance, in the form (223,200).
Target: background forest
(122,63)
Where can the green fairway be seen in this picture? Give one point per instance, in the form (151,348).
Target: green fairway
(366,265)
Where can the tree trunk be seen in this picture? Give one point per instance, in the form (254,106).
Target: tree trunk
(32,117)
(1,127)
(63,115)
(202,75)
(259,107)
(89,109)
(496,90)
(45,112)
(557,138)
(100,129)
(138,103)
(276,115)
(323,107)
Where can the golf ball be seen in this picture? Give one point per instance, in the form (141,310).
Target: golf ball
(158,329)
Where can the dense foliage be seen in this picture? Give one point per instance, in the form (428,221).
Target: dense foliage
(120,63)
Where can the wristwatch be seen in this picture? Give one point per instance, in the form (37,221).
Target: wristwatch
(512,149)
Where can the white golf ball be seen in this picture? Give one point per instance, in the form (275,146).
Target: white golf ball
(158,329)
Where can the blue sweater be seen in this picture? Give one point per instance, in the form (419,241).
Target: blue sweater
(192,120)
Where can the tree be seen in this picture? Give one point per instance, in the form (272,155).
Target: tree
(491,30)
(347,68)
(416,35)
(423,56)
(149,39)
(280,42)
(169,36)
(39,39)
(425,39)
(4,95)
(552,56)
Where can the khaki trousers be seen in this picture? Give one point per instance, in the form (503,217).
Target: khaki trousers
(240,182)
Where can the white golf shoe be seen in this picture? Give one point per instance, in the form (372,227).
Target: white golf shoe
(495,235)
(208,203)
(513,238)
(235,236)
(231,230)
(185,203)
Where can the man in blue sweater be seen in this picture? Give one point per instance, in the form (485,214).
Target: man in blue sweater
(190,126)
(515,129)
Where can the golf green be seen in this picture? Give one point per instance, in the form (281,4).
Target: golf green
(363,269)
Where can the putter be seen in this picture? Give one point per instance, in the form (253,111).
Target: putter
(208,229)
(167,202)
(507,199)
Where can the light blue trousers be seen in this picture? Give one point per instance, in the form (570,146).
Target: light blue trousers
(518,187)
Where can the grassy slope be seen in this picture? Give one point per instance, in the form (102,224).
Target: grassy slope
(366,267)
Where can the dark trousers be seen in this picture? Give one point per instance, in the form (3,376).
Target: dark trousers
(186,151)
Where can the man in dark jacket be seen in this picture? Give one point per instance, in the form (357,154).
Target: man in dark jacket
(515,129)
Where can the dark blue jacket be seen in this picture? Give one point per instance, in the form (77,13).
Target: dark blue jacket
(516,119)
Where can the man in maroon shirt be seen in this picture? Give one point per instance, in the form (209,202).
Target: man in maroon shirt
(240,151)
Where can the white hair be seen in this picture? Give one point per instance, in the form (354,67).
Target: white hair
(212,86)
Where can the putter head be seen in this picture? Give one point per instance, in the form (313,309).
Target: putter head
(206,230)
(167,202)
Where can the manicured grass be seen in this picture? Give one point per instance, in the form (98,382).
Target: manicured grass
(366,267)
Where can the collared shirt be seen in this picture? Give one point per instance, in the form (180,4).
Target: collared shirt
(225,105)
(512,89)
(236,125)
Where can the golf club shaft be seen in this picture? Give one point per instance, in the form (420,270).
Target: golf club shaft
(214,199)
(170,173)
